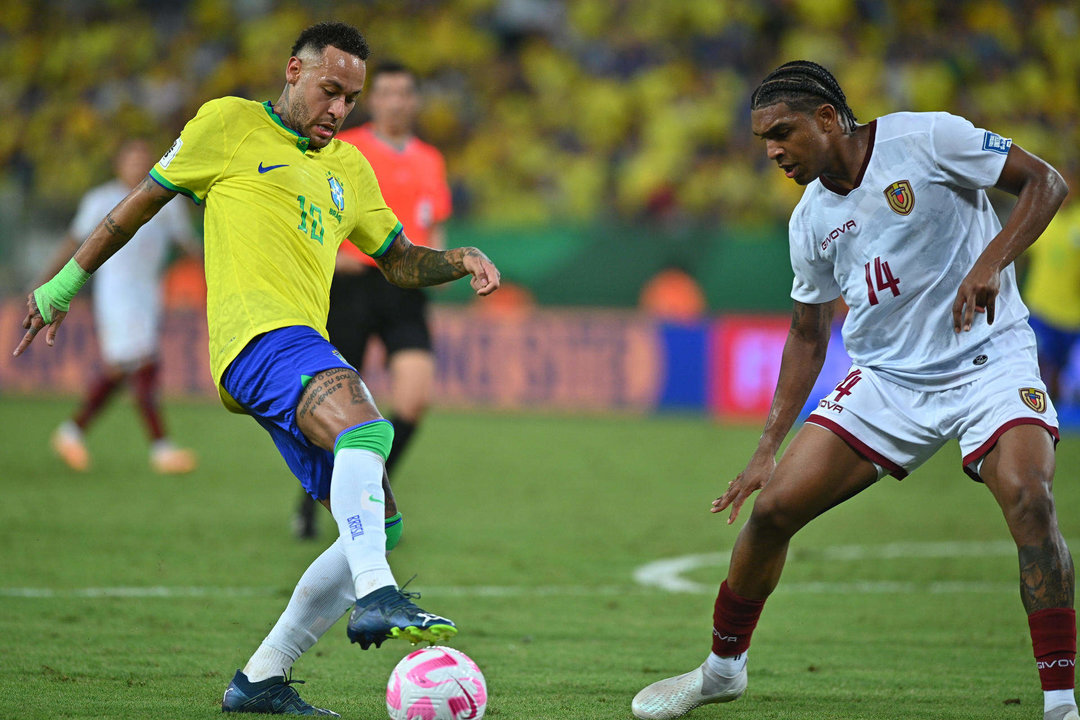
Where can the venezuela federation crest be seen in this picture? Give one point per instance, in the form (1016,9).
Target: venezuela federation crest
(1034,398)
(900,196)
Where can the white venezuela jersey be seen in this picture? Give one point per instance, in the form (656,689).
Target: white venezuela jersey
(898,245)
(131,275)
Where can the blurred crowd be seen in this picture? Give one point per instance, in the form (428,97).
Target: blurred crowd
(547,110)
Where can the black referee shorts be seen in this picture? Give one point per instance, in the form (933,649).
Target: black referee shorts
(365,304)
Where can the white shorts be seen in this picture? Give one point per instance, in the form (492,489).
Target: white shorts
(898,428)
(127,325)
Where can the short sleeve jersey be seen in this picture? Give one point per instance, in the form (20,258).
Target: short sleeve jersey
(1052,287)
(135,269)
(276,213)
(412,180)
(897,246)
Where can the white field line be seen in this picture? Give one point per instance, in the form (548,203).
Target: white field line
(667,574)
(516,591)
(661,575)
(494,591)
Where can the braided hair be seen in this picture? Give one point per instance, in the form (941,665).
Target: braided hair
(803,85)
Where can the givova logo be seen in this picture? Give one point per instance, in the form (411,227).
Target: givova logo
(725,638)
(1062,663)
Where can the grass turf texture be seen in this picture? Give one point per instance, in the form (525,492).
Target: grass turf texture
(526,530)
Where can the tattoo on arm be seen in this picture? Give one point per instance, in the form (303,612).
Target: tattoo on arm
(115,231)
(1046,576)
(415,266)
(122,222)
(812,322)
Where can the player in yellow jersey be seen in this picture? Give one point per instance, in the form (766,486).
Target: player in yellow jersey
(281,194)
(1052,294)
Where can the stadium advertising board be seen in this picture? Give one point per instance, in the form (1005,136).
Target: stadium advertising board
(558,360)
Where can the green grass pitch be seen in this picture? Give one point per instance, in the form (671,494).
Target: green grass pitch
(129,595)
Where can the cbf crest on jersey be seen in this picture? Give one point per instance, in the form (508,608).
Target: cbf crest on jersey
(337,193)
(1034,398)
(901,197)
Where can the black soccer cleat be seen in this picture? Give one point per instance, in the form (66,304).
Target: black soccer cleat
(273,696)
(390,613)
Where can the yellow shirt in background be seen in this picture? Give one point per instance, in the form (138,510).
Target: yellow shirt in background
(1052,287)
(276,213)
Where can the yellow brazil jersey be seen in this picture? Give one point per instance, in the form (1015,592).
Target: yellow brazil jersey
(1052,287)
(276,213)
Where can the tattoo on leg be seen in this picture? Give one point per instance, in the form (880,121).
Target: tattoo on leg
(357,390)
(1046,575)
(796,316)
(323,385)
(318,390)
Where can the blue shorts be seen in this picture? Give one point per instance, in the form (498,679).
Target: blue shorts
(267,379)
(1055,344)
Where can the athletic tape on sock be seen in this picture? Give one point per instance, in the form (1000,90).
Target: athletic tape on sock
(376,436)
(394,526)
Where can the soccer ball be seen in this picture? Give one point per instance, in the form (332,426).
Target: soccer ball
(436,683)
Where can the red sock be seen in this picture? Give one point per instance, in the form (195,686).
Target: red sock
(144,381)
(100,391)
(734,620)
(1053,637)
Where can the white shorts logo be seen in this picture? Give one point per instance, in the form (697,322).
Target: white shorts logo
(168,157)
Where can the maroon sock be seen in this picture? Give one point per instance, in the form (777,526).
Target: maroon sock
(144,382)
(734,620)
(100,391)
(1053,637)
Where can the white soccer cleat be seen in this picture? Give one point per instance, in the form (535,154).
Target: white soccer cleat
(676,696)
(167,459)
(1062,712)
(67,442)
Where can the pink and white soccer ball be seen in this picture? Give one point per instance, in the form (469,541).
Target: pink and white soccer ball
(436,683)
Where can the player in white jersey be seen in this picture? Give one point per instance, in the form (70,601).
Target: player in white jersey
(127,312)
(895,221)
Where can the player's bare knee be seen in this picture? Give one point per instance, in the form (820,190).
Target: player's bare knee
(1027,501)
(775,517)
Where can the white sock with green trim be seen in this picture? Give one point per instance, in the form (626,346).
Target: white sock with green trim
(358,507)
(323,594)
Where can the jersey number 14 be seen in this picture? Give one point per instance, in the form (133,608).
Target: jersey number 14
(884,280)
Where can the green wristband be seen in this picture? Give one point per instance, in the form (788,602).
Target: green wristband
(57,293)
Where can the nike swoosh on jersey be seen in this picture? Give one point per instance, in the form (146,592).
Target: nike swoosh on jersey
(268,168)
